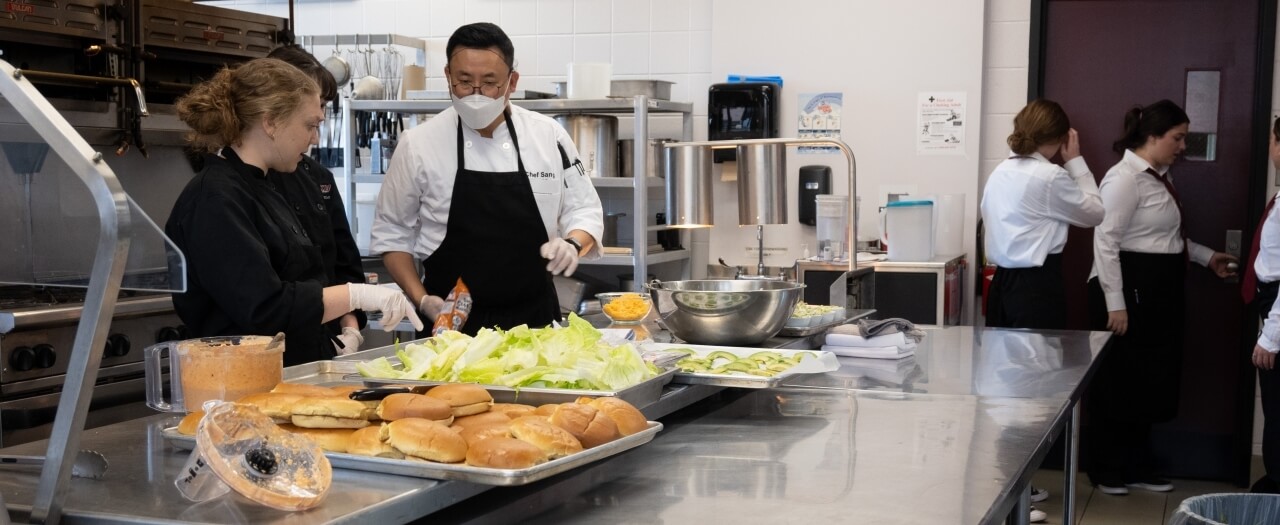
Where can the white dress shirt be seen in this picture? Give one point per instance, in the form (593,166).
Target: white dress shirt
(1267,266)
(1029,204)
(412,213)
(1141,217)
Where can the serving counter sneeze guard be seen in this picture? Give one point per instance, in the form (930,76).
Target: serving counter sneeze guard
(58,197)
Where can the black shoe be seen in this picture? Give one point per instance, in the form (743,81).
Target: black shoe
(1265,485)
(1151,483)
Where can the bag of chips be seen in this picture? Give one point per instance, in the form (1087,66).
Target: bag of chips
(457,306)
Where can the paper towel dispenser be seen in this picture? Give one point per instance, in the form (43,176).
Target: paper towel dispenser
(741,110)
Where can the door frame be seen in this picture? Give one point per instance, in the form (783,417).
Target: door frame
(1257,183)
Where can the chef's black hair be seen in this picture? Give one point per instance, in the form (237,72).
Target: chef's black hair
(1275,129)
(482,35)
(298,57)
(1151,121)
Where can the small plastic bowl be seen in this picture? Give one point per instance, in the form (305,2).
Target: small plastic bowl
(624,307)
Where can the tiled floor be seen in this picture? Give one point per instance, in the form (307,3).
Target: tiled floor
(1138,508)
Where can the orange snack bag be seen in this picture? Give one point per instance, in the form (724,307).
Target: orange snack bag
(457,306)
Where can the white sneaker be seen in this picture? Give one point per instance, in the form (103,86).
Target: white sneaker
(1038,494)
(1153,484)
(1037,515)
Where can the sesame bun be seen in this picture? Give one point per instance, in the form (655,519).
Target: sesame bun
(589,425)
(329,439)
(465,398)
(278,407)
(303,390)
(628,418)
(506,453)
(425,439)
(371,441)
(476,433)
(187,426)
(556,442)
(329,412)
(512,410)
(400,406)
(483,418)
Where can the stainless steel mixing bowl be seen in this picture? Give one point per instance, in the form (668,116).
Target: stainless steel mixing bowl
(725,312)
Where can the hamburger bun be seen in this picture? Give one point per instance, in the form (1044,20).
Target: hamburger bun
(512,410)
(476,433)
(424,439)
(371,441)
(545,410)
(400,406)
(188,425)
(481,419)
(500,452)
(278,407)
(329,412)
(346,390)
(303,390)
(589,425)
(329,439)
(556,442)
(628,418)
(465,398)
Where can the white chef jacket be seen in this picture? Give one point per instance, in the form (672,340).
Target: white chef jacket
(1141,217)
(412,213)
(1029,204)
(1267,266)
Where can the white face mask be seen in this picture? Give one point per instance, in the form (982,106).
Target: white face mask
(478,111)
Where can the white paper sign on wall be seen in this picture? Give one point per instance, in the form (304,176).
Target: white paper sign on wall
(940,123)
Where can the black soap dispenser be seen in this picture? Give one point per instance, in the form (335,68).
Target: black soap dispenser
(814,181)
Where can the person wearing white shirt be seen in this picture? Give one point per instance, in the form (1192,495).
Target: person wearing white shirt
(1136,290)
(1028,205)
(488,194)
(1260,284)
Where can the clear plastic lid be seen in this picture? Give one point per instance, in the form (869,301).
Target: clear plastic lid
(252,455)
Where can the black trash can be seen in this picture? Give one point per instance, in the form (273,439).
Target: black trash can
(1228,509)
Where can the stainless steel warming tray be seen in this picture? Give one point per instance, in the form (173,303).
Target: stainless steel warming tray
(481,475)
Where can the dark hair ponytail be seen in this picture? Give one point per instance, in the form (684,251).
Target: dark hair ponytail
(1151,121)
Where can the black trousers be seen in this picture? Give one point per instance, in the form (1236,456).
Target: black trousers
(1269,384)
(1028,297)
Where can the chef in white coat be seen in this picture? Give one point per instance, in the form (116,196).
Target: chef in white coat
(487,192)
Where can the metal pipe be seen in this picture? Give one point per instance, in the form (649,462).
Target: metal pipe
(34,75)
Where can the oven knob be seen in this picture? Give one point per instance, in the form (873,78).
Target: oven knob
(22,359)
(117,345)
(167,333)
(45,356)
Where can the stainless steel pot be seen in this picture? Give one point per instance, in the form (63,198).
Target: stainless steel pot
(659,156)
(596,137)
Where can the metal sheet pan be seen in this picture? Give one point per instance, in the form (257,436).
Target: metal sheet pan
(641,395)
(826,362)
(462,472)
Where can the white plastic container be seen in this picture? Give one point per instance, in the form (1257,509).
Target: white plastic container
(909,230)
(589,80)
(949,212)
(833,227)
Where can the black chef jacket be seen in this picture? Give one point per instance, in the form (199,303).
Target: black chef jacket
(313,195)
(252,268)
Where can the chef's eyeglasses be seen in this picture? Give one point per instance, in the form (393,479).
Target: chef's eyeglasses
(488,89)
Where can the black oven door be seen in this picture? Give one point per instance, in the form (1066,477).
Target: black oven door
(27,419)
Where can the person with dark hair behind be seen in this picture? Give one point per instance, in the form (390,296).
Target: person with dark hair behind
(488,194)
(1136,290)
(1028,205)
(1258,288)
(252,269)
(313,194)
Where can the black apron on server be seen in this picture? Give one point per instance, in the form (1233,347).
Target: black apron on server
(1141,376)
(1028,297)
(492,242)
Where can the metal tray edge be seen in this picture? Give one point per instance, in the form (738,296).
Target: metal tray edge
(481,475)
(661,379)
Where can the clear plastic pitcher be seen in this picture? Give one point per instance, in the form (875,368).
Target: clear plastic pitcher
(908,230)
(833,227)
(226,368)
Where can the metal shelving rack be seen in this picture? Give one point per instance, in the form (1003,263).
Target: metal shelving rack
(639,106)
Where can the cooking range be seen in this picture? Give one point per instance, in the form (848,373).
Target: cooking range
(37,329)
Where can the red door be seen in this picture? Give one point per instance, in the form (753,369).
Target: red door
(1098,59)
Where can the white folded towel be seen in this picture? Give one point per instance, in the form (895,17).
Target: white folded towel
(898,339)
(888,352)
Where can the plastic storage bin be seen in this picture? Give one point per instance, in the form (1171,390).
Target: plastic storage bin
(1232,509)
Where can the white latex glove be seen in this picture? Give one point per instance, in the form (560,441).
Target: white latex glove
(351,339)
(563,257)
(393,304)
(430,307)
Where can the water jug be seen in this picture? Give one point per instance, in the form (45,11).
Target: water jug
(908,228)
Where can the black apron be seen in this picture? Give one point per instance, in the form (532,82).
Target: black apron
(1028,297)
(492,242)
(1140,378)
